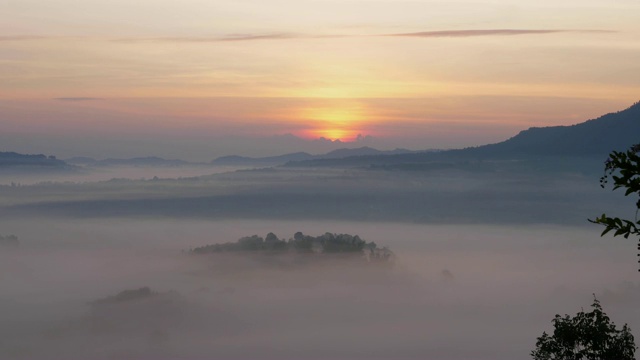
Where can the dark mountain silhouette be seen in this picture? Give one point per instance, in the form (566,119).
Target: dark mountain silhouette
(15,161)
(591,139)
(303,156)
(362,151)
(264,161)
(138,162)
(614,131)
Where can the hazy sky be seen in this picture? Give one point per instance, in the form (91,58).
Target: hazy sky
(179,77)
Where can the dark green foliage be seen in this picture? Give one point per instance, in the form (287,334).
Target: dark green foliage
(251,243)
(271,242)
(624,169)
(302,243)
(271,238)
(332,243)
(127,295)
(588,335)
(327,243)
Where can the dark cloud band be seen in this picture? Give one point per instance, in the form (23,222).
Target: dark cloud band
(490,32)
(293,36)
(423,34)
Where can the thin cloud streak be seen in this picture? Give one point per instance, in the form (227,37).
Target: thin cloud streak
(423,34)
(294,36)
(231,38)
(205,39)
(77,99)
(22,38)
(491,32)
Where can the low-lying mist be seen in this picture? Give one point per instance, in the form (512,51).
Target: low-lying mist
(438,196)
(91,174)
(454,292)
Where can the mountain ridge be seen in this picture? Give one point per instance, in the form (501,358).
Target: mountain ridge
(304,156)
(14,160)
(613,131)
(136,161)
(592,138)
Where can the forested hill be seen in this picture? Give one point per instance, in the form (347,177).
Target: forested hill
(614,131)
(12,160)
(592,138)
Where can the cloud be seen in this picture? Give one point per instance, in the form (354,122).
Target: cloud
(206,39)
(231,38)
(251,37)
(422,34)
(293,36)
(21,38)
(490,32)
(76,99)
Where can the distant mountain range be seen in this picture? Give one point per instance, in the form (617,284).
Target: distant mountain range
(15,161)
(303,156)
(614,131)
(233,160)
(592,138)
(151,161)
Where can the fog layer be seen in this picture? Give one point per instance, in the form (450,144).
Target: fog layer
(456,291)
(476,194)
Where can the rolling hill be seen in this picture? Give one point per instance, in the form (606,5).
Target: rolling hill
(303,156)
(16,161)
(614,131)
(590,139)
(150,161)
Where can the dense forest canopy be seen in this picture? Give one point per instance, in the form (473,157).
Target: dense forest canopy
(300,243)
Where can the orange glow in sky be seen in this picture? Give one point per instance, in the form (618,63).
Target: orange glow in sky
(343,120)
(427,74)
(332,134)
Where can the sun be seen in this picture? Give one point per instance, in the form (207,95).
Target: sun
(337,122)
(334,134)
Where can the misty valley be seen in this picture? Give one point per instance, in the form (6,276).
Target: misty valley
(362,254)
(319,180)
(470,264)
(126,289)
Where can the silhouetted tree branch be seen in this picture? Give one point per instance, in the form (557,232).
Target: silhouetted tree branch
(624,169)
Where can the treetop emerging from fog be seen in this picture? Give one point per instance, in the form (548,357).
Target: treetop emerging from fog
(327,243)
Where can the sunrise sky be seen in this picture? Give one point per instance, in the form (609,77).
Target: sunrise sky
(202,78)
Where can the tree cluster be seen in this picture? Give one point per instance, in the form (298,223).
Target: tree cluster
(591,335)
(586,336)
(126,295)
(327,243)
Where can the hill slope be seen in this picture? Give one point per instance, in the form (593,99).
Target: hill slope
(12,160)
(151,161)
(614,131)
(593,138)
(303,156)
